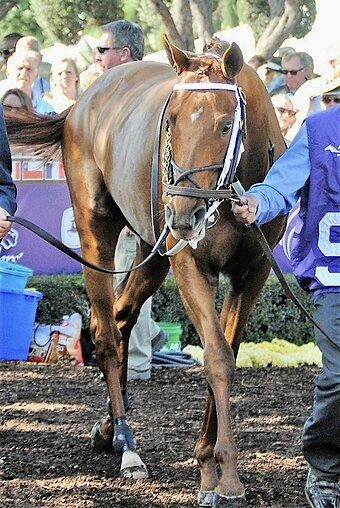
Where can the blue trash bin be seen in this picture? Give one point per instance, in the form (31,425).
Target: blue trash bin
(18,309)
(13,276)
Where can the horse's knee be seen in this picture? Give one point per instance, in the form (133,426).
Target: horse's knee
(204,452)
(219,367)
(225,453)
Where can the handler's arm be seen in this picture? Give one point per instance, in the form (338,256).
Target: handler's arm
(281,189)
(7,188)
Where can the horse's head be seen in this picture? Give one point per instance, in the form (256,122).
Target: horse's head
(199,123)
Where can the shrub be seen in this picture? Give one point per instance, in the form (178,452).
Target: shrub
(274,315)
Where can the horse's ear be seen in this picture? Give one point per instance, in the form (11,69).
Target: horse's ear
(232,61)
(177,58)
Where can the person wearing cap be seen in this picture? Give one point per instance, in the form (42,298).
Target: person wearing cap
(310,170)
(330,97)
(7,188)
(271,75)
(285,113)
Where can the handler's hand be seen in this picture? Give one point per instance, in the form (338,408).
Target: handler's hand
(247,212)
(5,226)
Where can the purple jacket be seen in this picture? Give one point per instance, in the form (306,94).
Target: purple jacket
(316,253)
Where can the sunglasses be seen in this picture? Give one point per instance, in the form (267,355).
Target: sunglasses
(328,100)
(284,111)
(7,52)
(293,73)
(102,49)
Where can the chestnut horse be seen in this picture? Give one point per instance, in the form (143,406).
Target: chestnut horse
(107,142)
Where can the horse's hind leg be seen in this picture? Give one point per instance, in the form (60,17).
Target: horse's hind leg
(99,222)
(135,289)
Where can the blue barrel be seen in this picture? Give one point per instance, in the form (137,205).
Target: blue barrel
(17,315)
(13,276)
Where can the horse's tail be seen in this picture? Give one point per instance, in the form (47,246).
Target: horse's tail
(42,133)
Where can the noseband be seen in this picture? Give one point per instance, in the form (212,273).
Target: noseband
(173,174)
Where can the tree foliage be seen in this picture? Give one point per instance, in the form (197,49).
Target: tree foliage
(6,6)
(20,19)
(65,20)
(272,21)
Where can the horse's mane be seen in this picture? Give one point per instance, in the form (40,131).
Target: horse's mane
(216,47)
(29,128)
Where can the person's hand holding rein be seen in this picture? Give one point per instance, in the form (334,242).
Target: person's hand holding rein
(5,226)
(247,212)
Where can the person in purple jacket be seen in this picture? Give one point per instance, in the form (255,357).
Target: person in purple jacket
(310,170)
(7,188)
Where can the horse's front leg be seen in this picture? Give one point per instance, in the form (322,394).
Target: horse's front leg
(113,431)
(98,229)
(216,445)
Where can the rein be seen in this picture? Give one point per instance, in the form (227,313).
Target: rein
(44,235)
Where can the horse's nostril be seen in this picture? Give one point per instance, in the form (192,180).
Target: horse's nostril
(198,216)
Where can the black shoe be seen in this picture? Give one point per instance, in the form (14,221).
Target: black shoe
(322,493)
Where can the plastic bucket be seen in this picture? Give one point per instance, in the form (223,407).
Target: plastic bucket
(18,308)
(175,332)
(13,276)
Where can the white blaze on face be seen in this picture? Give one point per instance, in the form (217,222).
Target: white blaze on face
(194,116)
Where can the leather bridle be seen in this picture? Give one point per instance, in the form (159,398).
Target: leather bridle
(173,174)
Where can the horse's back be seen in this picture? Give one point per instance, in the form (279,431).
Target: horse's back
(117,94)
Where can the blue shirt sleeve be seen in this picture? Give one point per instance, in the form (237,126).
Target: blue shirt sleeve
(281,188)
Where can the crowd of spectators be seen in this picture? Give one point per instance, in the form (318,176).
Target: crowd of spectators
(296,91)
(289,77)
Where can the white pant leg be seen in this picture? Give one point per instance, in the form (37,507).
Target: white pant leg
(145,329)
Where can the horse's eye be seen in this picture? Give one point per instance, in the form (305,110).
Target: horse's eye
(225,128)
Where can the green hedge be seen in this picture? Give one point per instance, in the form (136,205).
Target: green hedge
(274,316)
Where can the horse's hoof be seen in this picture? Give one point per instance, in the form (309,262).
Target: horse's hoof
(205,498)
(132,466)
(102,435)
(229,501)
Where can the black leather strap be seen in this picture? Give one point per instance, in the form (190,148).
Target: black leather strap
(193,192)
(66,250)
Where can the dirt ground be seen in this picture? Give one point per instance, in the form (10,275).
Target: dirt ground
(47,412)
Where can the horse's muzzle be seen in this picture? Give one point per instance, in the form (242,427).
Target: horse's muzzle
(185,225)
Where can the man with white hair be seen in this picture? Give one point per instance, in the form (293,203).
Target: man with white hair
(40,85)
(22,71)
(297,68)
(122,42)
